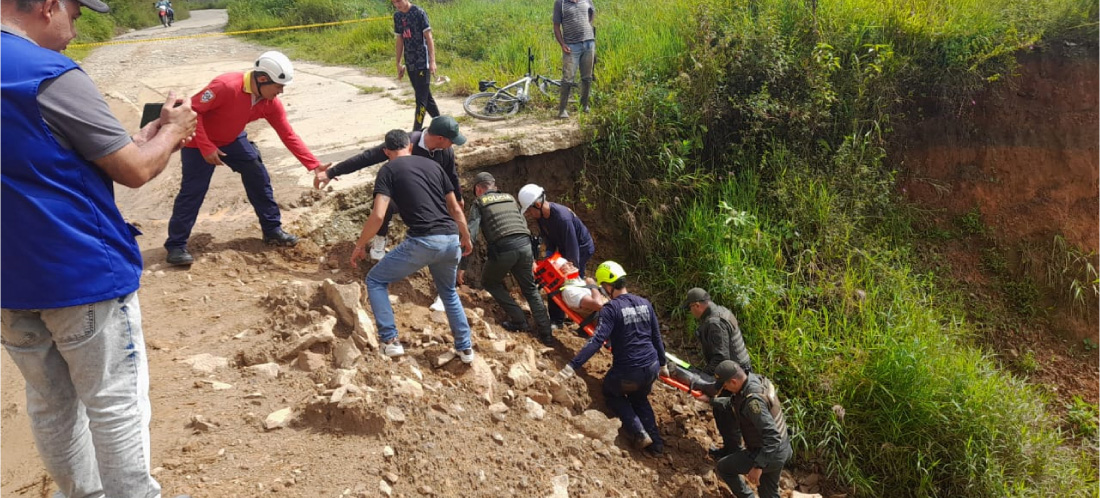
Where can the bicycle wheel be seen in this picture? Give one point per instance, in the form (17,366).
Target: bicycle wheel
(490,106)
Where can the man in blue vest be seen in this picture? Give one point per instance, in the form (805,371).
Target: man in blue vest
(69,313)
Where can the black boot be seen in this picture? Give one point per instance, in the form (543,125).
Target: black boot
(563,101)
(178,256)
(280,238)
(586,87)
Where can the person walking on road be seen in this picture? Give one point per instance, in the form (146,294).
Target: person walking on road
(574,31)
(756,414)
(561,230)
(629,324)
(496,215)
(69,312)
(414,41)
(437,238)
(436,143)
(720,339)
(225,106)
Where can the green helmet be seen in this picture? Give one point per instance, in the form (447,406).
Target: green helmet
(609,272)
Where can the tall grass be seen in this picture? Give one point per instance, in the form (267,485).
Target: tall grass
(745,142)
(478,40)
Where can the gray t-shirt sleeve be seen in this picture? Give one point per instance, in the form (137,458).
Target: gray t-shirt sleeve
(79,118)
(557,11)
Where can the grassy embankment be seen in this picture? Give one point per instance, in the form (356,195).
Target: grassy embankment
(747,146)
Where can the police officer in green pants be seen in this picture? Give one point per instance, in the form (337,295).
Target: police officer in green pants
(496,215)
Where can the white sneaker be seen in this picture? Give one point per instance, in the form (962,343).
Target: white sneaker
(467,356)
(377,247)
(393,348)
(438,304)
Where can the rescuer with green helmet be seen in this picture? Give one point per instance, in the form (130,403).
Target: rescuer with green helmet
(629,325)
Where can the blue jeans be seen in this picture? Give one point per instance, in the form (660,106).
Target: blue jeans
(440,253)
(581,54)
(87,394)
(627,393)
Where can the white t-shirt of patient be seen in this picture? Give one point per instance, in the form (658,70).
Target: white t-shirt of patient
(573,291)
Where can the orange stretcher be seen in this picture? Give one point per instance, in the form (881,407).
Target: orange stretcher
(551,280)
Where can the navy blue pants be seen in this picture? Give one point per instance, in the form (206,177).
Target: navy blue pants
(242,158)
(627,393)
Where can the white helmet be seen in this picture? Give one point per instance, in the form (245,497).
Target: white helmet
(277,66)
(528,195)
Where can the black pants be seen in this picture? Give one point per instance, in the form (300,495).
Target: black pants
(515,259)
(421,80)
(737,464)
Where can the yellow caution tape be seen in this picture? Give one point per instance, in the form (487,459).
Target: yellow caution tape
(226,33)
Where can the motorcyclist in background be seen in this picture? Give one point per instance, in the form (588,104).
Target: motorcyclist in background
(167,6)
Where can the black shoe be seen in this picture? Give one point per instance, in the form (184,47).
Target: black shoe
(556,325)
(547,340)
(178,256)
(514,326)
(718,453)
(280,238)
(655,450)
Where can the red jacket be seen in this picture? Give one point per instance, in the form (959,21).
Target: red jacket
(225,107)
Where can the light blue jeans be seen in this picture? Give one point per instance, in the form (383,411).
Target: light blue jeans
(87,394)
(440,253)
(582,55)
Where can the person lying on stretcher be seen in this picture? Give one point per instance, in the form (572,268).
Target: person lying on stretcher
(580,295)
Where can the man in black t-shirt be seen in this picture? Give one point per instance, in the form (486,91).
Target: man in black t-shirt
(437,237)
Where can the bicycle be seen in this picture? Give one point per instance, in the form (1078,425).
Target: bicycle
(506,101)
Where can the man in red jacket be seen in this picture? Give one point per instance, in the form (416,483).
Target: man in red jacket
(225,106)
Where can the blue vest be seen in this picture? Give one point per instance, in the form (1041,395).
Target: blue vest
(64,242)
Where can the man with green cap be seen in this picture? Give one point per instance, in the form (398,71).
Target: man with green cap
(496,215)
(435,144)
(756,415)
(720,340)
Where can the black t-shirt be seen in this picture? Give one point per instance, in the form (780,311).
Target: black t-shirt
(418,186)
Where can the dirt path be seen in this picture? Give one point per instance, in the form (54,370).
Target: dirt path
(451,431)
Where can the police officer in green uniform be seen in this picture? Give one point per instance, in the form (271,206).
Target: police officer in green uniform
(720,338)
(497,216)
(758,418)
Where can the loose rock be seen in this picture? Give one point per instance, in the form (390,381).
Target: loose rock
(278,419)
(206,363)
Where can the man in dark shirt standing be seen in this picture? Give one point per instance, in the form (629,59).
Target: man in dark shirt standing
(757,415)
(720,338)
(561,230)
(437,238)
(436,144)
(496,215)
(414,40)
(629,324)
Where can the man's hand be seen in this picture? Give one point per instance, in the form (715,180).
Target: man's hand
(565,48)
(359,254)
(178,116)
(431,67)
(215,158)
(400,72)
(467,247)
(320,176)
(565,374)
(664,371)
(461,277)
(754,476)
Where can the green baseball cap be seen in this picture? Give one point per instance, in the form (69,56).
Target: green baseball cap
(446,127)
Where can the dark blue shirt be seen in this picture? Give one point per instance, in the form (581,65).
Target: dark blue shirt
(410,26)
(630,324)
(564,233)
